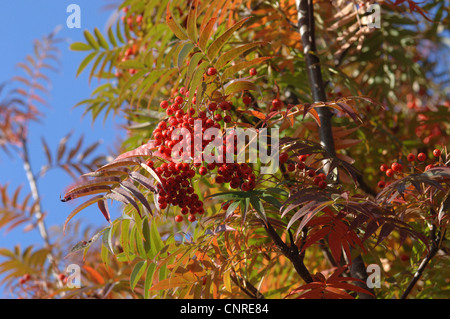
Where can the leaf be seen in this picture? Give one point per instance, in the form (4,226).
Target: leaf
(259,207)
(192,21)
(80,46)
(101,40)
(174,26)
(137,273)
(232,70)
(149,279)
(91,40)
(81,207)
(187,48)
(169,283)
(236,86)
(228,56)
(85,62)
(206,34)
(103,206)
(217,44)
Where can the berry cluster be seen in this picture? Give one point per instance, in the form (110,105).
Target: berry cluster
(397,168)
(176,174)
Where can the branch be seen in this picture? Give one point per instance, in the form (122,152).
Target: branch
(435,243)
(306,24)
(291,252)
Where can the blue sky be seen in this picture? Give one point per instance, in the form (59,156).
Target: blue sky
(21,22)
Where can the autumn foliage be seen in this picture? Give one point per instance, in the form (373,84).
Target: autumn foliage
(362,179)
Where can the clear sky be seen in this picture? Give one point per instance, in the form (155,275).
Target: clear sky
(22,21)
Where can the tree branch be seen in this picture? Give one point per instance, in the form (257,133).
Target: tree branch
(291,252)
(306,25)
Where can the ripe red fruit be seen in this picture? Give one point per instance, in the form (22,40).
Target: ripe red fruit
(203,170)
(437,153)
(247,99)
(227,119)
(252,72)
(178,218)
(284,157)
(421,157)
(61,277)
(164,104)
(311,173)
(192,218)
(276,103)
(179,99)
(211,71)
(390,173)
(291,167)
(381,184)
(384,167)
(302,158)
(397,167)
(322,184)
(429,167)
(411,157)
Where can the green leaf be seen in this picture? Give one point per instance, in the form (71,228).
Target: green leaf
(198,76)
(259,207)
(101,40)
(184,52)
(149,279)
(174,25)
(147,238)
(111,37)
(193,63)
(85,62)
(157,243)
(91,40)
(218,43)
(137,273)
(232,208)
(131,64)
(124,237)
(107,240)
(80,46)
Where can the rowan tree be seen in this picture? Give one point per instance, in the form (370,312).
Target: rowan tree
(363,166)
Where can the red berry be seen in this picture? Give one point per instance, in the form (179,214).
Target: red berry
(302,158)
(179,100)
(178,218)
(397,167)
(164,104)
(192,218)
(421,157)
(276,103)
(227,119)
(61,277)
(429,167)
(291,167)
(252,71)
(390,173)
(411,157)
(247,100)
(437,153)
(203,170)
(211,71)
(284,157)
(311,173)
(384,167)
(381,184)
(322,184)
